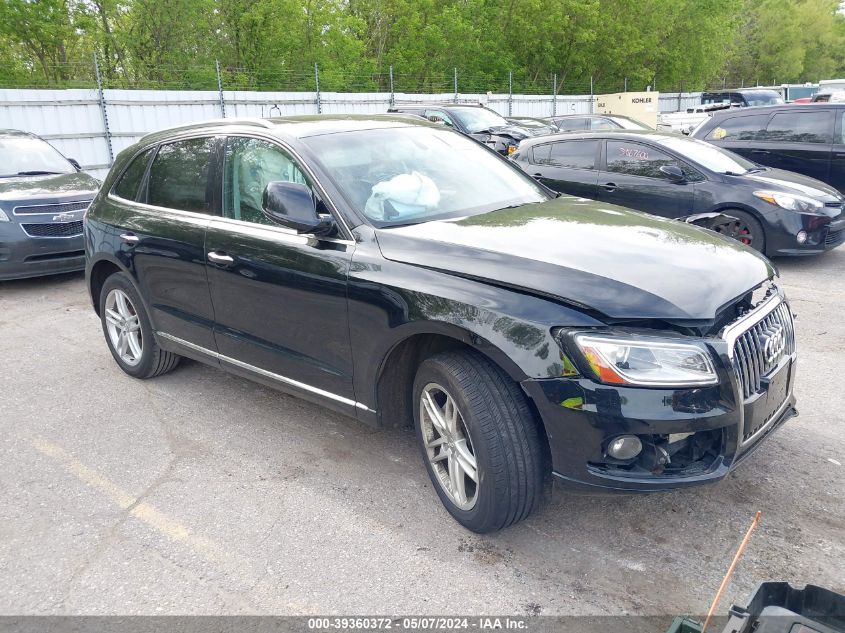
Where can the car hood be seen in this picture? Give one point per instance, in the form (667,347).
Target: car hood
(791,182)
(47,189)
(621,263)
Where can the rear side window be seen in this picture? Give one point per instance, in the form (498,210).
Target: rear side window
(574,154)
(572,125)
(180,178)
(800,127)
(635,159)
(602,124)
(128,185)
(540,154)
(739,128)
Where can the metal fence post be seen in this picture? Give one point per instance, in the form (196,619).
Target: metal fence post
(392,96)
(510,93)
(680,91)
(220,89)
(103,109)
(456,85)
(592,108)
(317,81)
(554,94)
(626,85)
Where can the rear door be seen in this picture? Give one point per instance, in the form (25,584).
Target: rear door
(161,236)
(567,166)
(798,139)
(279,297)
(631,177)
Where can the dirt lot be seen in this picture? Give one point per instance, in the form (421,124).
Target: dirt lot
(199,492)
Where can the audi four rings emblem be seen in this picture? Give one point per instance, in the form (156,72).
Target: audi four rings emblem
(774,343)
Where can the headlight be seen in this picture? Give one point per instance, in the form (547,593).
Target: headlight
(647,361)
(793,202)
(3,216)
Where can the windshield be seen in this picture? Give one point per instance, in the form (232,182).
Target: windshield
(477,120)
(709,156)
(762,98)
(30,156)
(627,123)
(410,175)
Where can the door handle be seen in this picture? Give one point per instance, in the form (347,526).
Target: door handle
(220,258)
(130,238)
(839,155)
(760,151)
(609,186)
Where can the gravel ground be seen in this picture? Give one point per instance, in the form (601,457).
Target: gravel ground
(199,492)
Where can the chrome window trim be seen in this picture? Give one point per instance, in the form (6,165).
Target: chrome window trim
(267,374)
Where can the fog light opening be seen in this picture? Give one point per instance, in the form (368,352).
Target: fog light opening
(624,447)
(801,238)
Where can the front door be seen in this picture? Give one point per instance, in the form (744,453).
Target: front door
(632,178)
(279,298)
(798,140)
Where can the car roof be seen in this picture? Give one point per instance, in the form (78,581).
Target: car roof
(16,134)
(789,107)
(633,135)
(298,126)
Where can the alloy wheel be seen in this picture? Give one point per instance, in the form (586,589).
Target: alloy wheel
(448,446)
(124,327)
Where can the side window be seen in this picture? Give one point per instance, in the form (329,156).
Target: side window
(635,159)
(574,154)
(738,99)
(180,176)
(842,128)
(540,154)
(739,128)
(800,127)
(248,166)
(129,183)
(572,124)
(598,123)
(439,115)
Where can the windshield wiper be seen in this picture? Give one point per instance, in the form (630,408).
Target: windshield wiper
(36,172)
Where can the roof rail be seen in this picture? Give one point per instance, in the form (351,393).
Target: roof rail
(257,122)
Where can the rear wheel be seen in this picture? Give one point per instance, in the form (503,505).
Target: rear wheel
(479,440)
(746,229)
(128,331)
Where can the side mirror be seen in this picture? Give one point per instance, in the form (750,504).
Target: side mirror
(291,204)
(673,173)
(75,164)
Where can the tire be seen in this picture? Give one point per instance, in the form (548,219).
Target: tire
(141,357)
(747,230)
(494,425)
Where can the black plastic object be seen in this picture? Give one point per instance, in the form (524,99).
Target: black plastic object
(777,607)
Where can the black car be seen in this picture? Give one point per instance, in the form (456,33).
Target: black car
(743,98)
(808,139)
(402,273)
(596,122)
(775,211)
(482,124)
(42,198)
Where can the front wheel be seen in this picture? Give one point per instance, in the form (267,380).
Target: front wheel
(745,229)
(128,332)
(479,440)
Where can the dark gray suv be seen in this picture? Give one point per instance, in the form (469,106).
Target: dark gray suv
(43,196)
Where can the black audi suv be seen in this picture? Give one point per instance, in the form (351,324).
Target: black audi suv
(42,198)
(401,273)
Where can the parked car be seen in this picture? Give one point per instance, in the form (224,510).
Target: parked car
(824,97)
(402,273)
(743,98)
(807,139)
(483,124)
(596,122)
(777,212)
(42,198)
